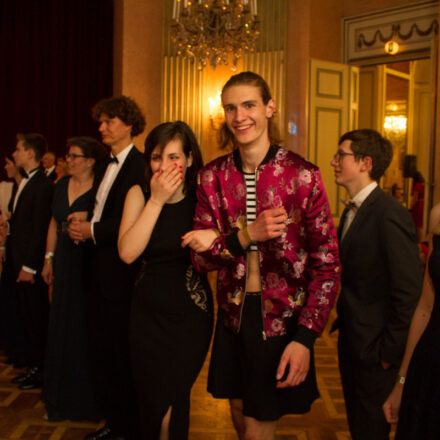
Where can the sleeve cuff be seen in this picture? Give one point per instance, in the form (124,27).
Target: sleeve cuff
(29,270)
(305,336)
(233,245)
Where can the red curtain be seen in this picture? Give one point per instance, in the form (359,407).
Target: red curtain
(56,62)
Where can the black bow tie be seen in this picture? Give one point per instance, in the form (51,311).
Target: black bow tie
(350,205)
(113,159)
(27,174)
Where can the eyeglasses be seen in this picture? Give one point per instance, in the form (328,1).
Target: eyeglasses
(73,156)
(340,155)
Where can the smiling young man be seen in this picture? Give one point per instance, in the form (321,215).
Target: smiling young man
(381,282)
(120,120)
(277,258)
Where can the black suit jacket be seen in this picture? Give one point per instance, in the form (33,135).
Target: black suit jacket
(381,279)
(114,277)
(29,223)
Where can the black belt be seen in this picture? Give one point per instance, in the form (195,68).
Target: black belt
(253,293)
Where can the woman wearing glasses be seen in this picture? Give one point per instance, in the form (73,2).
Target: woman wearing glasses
(68,391)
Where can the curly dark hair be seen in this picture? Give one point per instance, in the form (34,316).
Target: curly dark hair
(367,142)
(164,133)
(34,141)
(225,137)
(123,108)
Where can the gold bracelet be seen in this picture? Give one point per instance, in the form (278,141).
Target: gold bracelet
(217,232)
(401,379)
(246,235)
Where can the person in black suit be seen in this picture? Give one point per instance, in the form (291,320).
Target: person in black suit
(48,162)
(26,242)
(380,284)
(112,280)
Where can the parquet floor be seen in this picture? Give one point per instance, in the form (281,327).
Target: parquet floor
(21,412)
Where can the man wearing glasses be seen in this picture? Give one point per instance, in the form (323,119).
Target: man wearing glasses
(380,283)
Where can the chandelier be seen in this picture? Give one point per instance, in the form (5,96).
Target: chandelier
(210,30)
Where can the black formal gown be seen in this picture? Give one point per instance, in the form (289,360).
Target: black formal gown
(420,409)
(68,390)
(171,324)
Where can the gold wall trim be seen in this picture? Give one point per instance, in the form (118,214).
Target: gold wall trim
(182,93)
(271,66)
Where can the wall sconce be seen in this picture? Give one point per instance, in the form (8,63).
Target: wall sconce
(391,47)
(216,113)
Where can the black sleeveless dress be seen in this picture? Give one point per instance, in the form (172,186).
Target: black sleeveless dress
(69,390)
(171,324)
(420,409)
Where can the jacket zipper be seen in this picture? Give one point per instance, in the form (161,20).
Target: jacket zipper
(258,256)
(247,264)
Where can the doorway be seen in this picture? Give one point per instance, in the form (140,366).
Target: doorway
(395,99)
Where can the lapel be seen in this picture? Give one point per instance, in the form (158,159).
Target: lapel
(358,221)
(341,223)
(11,200)
(116,186)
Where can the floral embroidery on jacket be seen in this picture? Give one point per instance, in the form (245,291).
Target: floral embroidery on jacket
(300,270)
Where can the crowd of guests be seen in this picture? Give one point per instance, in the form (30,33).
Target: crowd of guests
(125,239)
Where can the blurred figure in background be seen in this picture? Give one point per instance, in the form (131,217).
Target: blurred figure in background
(397,193)
(11,331)
(418,202)
(48,163)
(60,169)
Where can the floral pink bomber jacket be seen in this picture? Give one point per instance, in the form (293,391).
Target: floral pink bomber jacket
(300,270)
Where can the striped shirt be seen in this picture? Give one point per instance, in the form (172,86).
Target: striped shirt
(251,202)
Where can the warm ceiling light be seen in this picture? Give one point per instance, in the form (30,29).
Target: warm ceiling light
(210,31)
(395,123)
(391,47)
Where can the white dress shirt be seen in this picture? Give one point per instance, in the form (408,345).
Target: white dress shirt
(358,199)
(110,175)
(47,171)
(21,186)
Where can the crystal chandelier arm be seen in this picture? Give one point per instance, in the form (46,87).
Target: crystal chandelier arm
(210,30)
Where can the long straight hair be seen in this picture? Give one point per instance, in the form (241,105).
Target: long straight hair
(225,137)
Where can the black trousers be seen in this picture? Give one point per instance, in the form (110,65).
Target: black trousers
(33,304)
(366,387)
(109,344)
(11,319)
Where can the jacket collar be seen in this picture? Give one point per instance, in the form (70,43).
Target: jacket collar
(273,149)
